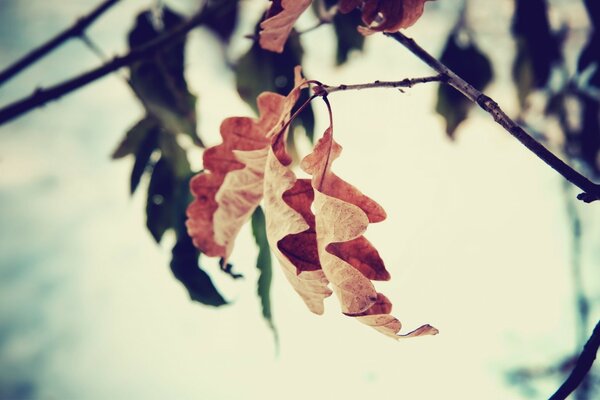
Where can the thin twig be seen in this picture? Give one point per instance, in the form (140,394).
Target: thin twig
(582,367)
(42,96)
(76,30)
(591,191)
(324,90)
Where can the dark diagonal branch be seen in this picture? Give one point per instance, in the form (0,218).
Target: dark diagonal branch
(582,367)
(76,30)
(591,191)
(42,96)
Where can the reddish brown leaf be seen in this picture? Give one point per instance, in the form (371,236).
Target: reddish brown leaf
(385,15)
(231,187)
(348,260)
(279,23)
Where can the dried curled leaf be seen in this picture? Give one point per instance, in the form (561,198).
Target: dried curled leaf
(347,258)
(385,15)
(342,215)
(230,189)
(281,18)
(291,229)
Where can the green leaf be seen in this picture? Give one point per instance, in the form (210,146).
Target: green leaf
(174,154)
(259,70)
(159,81)
(161,204)
(221,17)
(537,47)
(134,138)
(185,267)
(263,263)
(472,65)
(142,157)
(346,32)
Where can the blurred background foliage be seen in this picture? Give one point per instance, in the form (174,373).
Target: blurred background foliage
(559,102)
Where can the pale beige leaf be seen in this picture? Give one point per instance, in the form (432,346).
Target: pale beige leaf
(378,317)
(290,230)
(277,27)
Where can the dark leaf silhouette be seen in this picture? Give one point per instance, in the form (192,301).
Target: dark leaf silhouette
(537,47)
(159,81)
(142,157)
(161,205)
(221,17)
(263,263)
(471,64)
(260,70)
(590,56)
(347,36)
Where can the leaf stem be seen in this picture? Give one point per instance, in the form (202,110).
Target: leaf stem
(42,96)
(75,30)
(591,190)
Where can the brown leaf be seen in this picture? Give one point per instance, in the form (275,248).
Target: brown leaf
(378,317)
(342,215)
(231,187)
(291,229)
(281,18)
(347,258)
(385,15)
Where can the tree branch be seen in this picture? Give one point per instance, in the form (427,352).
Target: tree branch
(42,96)
(591,191)
(582,367)
(76,30)
(324,90)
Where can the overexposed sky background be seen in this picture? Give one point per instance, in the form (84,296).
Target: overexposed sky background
(477,238)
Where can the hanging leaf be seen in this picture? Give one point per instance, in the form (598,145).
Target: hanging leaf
(349,261)
(134,138)
(185,268)
(259,70)
(229,190)
(142,157)
(472,65)
(348,37)
(590,56)
(159,81)
(537,47)
(263,264)
(221,16)
(279,22)
(291,228)
(161,203)
(385,15)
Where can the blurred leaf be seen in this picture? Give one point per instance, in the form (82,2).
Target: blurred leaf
(590,132)
(263,263)
(537,47)
(221,17)
(142,157)
(471,64)
(590,56)
(346,32)
(174,154)
(260,70)
(159,81)
(161,205)
(134,138)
